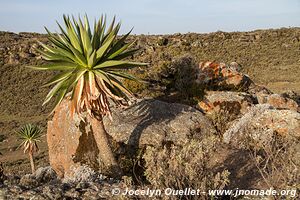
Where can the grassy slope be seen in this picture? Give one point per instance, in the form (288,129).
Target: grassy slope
(270,57)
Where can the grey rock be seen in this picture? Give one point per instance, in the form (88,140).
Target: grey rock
(82,174)
(153,122)
(41,175)
(45,174)
(255,89)
(261,123)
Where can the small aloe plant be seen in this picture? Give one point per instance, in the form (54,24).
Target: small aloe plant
(30,136)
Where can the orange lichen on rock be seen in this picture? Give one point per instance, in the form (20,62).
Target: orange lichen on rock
(222,75)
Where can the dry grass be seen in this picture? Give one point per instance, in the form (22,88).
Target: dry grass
(183,167)
(222,117)
(277,161)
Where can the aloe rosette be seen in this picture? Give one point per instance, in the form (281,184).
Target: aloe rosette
(90,64)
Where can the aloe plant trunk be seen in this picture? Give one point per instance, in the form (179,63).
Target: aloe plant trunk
(106,154)
(31,161)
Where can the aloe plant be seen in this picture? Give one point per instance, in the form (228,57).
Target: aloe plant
(30,136)
(90,63)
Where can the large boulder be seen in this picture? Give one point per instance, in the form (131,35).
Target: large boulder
(153,122)
(262,123)
(147,122)
(70,142)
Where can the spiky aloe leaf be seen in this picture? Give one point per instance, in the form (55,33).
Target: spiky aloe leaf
(89,62)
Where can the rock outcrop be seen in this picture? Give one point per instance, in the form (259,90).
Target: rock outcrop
(147,122)
(223,76)
(219,76)
(261,123)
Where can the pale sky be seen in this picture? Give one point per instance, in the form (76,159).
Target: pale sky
(154,16)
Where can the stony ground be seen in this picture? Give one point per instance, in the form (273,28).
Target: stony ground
(44,185)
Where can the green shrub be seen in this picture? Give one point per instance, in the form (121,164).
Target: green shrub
(181,75)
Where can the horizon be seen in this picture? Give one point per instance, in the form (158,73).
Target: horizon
(155,17)
(167,34)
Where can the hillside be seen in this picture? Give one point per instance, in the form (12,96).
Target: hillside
(269,57)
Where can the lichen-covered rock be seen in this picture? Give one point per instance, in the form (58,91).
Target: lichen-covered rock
(278,101)
(261,123)
(235,102)
(70,142)
(147,122)
(223,76)
(83,174)
(153,122)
